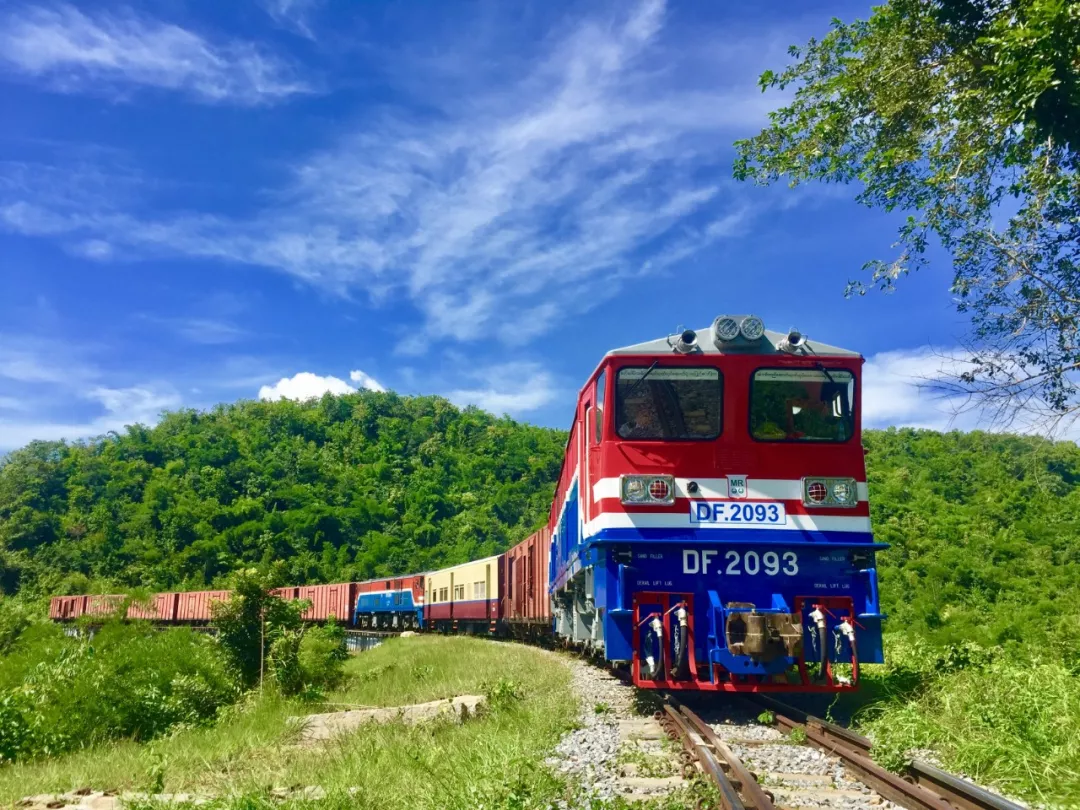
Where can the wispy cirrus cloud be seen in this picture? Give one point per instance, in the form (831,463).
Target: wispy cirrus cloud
(103,52)
(292,14)
(502,208)
(37,373)
(512,388)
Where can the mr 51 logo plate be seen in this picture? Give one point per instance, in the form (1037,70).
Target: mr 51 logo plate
(736,486)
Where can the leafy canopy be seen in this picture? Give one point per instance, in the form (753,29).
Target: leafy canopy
(343,488)
(965,114)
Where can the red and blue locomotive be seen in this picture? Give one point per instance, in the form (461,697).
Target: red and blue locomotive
(711,524)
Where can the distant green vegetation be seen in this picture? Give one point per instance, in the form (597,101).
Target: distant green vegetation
(60,691)
(341,488)
(982,588)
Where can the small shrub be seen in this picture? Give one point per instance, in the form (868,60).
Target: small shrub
(321,656)
(503,693)
(797,735)
(284,662)
(602,708)
(766,718)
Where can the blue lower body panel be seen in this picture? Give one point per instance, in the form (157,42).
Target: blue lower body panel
(746,607)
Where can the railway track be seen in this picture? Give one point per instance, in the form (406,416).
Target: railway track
(924,787)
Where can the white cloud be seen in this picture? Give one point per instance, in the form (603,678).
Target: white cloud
(511,388)
(365,380)
(304,385)
(917,388)
(204,331)
(136,404)
(897,389)
(508,208)
(94,249)
(32,360)
(100,52)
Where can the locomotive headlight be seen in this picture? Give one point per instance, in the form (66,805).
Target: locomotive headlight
(648,489)
(830,492)
(752,328)
(725,329)
(842,491)
(633,489)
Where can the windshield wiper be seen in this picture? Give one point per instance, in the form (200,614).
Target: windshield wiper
(825,371)
(640,380)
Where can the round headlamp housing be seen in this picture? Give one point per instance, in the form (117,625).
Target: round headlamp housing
(752,328)
(725,329)
(634,490)
(842,491)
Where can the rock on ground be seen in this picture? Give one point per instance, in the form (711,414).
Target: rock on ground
(332,724)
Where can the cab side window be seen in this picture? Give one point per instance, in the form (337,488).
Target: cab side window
(598,430)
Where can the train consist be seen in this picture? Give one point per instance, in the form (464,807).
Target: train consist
(710,527)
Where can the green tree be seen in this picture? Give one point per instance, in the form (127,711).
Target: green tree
(964,114)
(254,619)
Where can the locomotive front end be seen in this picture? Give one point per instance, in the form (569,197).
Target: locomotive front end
(712,526)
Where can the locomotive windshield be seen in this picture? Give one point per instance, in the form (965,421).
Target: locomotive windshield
(809,405)
(665,402)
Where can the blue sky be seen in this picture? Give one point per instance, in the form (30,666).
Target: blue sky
(203,202)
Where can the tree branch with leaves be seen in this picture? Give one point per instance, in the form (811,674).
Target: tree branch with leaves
(965,115)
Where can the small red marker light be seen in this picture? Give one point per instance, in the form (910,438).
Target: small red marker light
(817,492)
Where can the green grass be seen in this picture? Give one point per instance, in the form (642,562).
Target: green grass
(1012,724)
(494,760)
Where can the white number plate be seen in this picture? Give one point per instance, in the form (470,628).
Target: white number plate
(739,563)
(737,513)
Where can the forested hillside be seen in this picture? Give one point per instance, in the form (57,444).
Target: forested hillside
(341,488)
(984,528)
(985,536)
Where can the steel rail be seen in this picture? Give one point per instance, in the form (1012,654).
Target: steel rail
(680,728)
(753,794)
(925,786)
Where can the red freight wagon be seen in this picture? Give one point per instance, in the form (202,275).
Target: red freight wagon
(195,606)
(526,604)
(327,600)
(161,608)
(104,605)
(63,608)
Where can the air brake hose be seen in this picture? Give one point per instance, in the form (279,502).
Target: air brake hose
(654,665)
(819,619)
(847,630)
(679,642)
